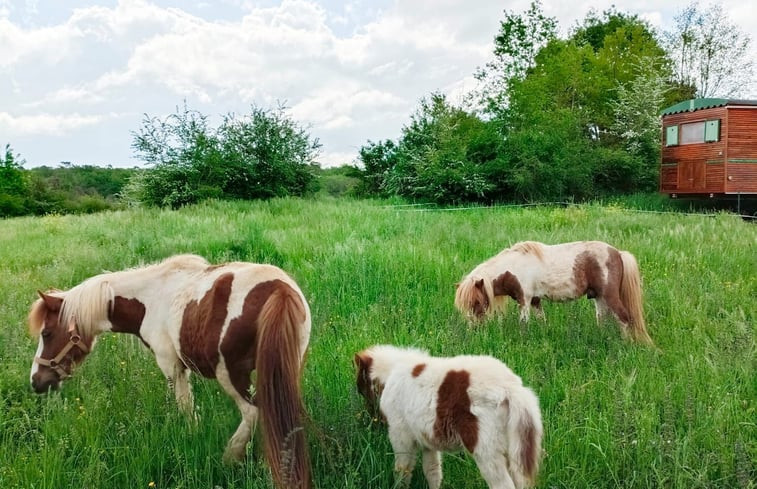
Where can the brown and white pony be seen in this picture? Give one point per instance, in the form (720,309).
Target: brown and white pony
(529,271)
(475,403)
(221,321)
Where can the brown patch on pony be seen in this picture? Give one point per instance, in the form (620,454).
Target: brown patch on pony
(529,453)
(366,386)
(508,284)
(240,343)
(126,315)
(279,395)
(201,327)
(454,421)
(529,248)
(418,369)
(587,276)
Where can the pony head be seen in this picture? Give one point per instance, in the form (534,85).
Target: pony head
(473,298)
(367,385)
(60,347)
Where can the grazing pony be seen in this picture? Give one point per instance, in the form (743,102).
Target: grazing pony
(221,321)
(528,271)
(467,402)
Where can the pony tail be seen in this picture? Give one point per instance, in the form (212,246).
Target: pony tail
(631,296)
(279,395)
(524,435)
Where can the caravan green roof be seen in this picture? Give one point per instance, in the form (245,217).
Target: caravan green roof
(703,103)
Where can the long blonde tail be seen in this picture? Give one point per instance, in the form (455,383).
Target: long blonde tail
(279,395)
(632,298)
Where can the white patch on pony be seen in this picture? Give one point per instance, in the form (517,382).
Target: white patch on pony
(35,365)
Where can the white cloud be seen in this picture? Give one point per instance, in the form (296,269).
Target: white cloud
(45,124)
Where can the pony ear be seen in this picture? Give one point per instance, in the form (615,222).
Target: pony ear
(361,359)
(51,302)
(480,284)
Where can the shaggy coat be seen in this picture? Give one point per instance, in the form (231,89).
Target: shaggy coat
(472,403)
(220,321)
(529,271)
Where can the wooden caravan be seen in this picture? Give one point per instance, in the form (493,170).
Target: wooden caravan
(709,147)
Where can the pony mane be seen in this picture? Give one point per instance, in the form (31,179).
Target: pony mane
(88,304)
(529,248)
(185,262)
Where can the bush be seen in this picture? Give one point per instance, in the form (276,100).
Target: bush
(261,155)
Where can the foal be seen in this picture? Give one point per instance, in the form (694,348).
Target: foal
(466,402)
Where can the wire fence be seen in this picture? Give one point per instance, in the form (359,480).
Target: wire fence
(427,207)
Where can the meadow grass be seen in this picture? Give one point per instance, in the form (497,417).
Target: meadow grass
(616,415)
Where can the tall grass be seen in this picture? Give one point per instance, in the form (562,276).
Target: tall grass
(616,415)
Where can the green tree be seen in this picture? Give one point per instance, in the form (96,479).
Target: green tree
(560,127)
(14,185)
(443,155)
(266,154)
(377,160)
(260,155)
(516,45)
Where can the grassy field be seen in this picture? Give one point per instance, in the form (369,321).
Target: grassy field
(616,415)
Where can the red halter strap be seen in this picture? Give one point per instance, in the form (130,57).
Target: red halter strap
(74,340)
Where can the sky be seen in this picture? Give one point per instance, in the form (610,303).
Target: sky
(78,77)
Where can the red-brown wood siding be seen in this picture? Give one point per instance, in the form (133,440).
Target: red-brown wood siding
(743,177)
(669,178)
(742,133)
(727,165)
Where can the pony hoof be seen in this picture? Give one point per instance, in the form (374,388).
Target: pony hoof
(233,457)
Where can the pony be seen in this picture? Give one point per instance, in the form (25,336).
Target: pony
(474,403)
(220,321)
(529,271)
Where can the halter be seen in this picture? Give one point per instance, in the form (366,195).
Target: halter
(73,340)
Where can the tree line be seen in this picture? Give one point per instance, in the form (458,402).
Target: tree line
(553,118)
(560,118)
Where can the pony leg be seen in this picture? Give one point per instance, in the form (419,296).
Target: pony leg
(404,454)
(536,306)
(177,376)
(615,305)
(183,390)
(432,467)
(237,445)
(525,309)
(601,310)
(493,468)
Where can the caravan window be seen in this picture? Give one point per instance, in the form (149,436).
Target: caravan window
(692,132)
